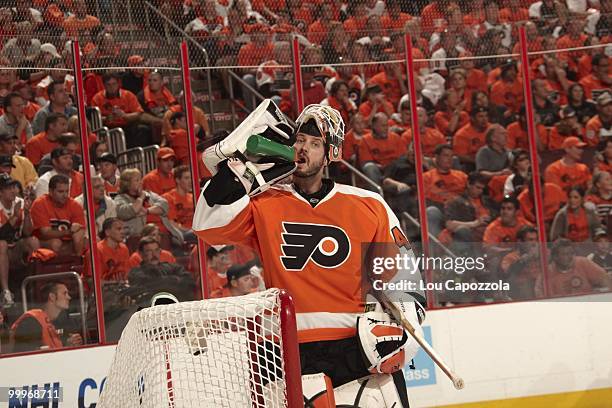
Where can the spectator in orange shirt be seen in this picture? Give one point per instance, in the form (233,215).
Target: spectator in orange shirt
(71,142)
(430,137)
(120,108)
(113,253)
(109,172)
(475,79)
(58,220)
(63,163)
(240,281)
(24,89)
(508,90)
(444,184)
(180,203)
(392,82)
(574,38)
(575,221)
(199,117)
(374,102)
(603,157)
(401,121)
(178,138)
(218,260)
(352,139)
(378,149)
(567,128)
(543,103)
(80,23)
(600,195)
(104,206)
(568,171)
(156,99)
(471,137)
(599,80)
(517,133)
(570,274)
(522,267)
(432,16)
(339,99)
(501,234)
(161,180)
(317,31)
(585,109)
(55,125)
(450,114)
(394,19)
(552,199)
(151,230)
(599,127)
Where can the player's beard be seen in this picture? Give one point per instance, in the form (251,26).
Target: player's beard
(310,170)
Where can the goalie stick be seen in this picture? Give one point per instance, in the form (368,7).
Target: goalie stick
(397,315)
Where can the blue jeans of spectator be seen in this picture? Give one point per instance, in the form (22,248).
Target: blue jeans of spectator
(374,173)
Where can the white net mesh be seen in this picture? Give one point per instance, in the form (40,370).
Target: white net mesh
(215,353)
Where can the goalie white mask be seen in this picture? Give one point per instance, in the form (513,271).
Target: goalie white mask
(329,124)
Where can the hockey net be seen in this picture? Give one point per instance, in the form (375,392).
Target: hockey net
(230,352)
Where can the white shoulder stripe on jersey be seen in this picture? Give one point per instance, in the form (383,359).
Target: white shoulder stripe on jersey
(217,216)
(326,320)
(360,192)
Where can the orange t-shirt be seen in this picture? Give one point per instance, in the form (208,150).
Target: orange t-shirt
(126,101)
(441,188)
(555,139)
(158,183)
(135,259)
(317,32)
(355,27)
(476,80)
(554,197)
(30,110)
(178,141)
(518,138)
(390,87)
(432,17)
(113,261)
(365,109)
(199,118)
(391,25)
(38,146)
(594,131)
(581,278)
(180,207)
(577,226)
(571,57)
(591,83)
(567,176)
(497,233)
(431,139)
(253,55)
(73,25)
(45,214)
(507,94)
(381,151)
(351,143)
(468,140)
(442,119)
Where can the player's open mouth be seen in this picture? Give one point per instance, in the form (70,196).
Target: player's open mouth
(301,160)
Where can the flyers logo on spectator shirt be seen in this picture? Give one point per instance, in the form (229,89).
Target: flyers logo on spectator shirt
(327,246)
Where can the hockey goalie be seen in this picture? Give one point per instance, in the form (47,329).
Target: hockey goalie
(310,233)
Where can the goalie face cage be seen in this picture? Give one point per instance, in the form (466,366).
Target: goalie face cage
(230,352)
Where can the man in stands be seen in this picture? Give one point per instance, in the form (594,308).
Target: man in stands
(23,170)
(109,172)
(58,220)
(567,127)
(599,127)
(240,281)
(568,171)
(602,254)
(48,327)
(45,141)
(180,203)
(470,138)
(543,104)
(69,141)
(79,23)
(571,274)
(59,102)
(13,122)
(218,261)
(508,90)
(153,275)
(155,98)
(374,102)
(113,253)
(493,159)
(120,108)
(443,185)
(599,80)
(178,137)
(63,163)
(104,206)
(521,268)
(199,117)
(430,137)
(151,230)
(379,148)
(16,240)
(161,180)
(553,197)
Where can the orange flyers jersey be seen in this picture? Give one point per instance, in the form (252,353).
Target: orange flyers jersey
(314,253)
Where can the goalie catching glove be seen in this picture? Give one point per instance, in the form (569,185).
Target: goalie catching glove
(386,346)
(266,120)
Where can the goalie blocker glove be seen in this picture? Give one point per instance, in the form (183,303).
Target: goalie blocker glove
(266,120)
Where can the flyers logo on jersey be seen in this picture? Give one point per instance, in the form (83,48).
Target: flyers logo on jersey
(327,245)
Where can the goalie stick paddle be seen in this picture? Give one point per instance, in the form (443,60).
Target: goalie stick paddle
(397,315)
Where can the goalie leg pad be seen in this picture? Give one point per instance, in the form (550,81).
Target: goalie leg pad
(375,391)
(318,391)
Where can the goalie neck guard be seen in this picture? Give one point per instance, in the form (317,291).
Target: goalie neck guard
(324,121)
